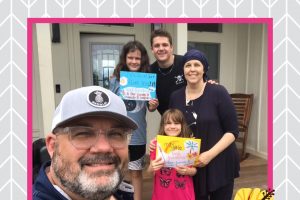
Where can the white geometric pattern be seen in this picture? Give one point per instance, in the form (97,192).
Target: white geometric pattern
(13,73)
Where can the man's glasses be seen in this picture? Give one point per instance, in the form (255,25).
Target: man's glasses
(84,138)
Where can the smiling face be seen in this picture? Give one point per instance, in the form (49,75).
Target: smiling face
(162,49)
(172,128)
(193,71)
(94,173)
(133,60)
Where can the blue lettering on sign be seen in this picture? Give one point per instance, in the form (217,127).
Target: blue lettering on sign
(137,85)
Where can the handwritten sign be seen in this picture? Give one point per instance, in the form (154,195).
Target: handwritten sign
(178,151)
(137,86)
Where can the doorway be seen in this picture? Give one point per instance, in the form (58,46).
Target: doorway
(100,54)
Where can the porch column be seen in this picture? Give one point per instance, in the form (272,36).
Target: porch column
(181,38)
(46,74)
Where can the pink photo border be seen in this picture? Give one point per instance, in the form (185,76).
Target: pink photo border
(31,21)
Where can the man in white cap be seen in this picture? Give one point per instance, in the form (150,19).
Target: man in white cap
(88,147)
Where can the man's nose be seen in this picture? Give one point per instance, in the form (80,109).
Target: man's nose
(102,144)
(160,47)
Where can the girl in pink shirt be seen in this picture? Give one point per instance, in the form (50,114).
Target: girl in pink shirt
(172,183)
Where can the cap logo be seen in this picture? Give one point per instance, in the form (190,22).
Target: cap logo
(98,99)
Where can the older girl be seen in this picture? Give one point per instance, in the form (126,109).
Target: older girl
(134,58)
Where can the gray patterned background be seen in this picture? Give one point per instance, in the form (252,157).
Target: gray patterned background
(13,73)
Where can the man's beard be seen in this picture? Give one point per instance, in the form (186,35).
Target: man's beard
(86,185)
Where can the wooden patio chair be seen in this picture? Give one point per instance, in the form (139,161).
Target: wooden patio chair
(243,105)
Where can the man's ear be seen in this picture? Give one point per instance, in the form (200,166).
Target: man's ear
(152,50)
(50,143)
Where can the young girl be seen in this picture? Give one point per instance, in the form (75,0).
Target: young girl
(134,58)
(172,183)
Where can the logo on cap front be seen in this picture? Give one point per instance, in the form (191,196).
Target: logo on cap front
(98,99)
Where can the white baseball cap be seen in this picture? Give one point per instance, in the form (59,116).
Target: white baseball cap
(91,101)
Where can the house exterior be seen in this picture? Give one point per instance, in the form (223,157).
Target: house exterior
(241,65)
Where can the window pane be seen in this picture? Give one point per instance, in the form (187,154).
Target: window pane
(104,59)
(212,52)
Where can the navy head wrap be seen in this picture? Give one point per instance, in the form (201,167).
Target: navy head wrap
(194,54)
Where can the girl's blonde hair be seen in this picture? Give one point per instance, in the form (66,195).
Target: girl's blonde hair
(176,116)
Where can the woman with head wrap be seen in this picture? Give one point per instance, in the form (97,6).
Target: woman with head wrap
(211,115)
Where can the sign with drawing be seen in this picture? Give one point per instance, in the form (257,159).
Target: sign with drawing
(178,151)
